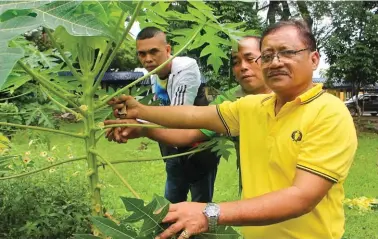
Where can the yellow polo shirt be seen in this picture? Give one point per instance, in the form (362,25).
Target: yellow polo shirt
(315,133)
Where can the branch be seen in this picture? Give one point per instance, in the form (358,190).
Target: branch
(41,169)
(4,99)
(117,173)
(133,125)
(44,129)
(114,52)
(47,85)
(156,159)
(65,58)
(104,102)
(59,104)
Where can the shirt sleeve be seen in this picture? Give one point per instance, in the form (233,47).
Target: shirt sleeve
(186,89)
(330,144)
(229,114)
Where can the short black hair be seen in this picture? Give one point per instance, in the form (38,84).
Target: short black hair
(302,27)
(148,32)
(257,38)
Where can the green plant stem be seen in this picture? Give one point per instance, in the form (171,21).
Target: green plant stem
(65,58)
(44,129)
(118,174)
(13,97)
(42,169)
(48,85)
(120,91)
(155,159)
(114,52)
(59,104)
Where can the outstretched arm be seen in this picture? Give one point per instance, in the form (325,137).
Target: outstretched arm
(178,117)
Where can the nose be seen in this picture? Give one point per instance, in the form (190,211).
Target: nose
(244,65)
(148,58)
(275,63)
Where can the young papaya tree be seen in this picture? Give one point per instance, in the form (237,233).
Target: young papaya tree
(85,36)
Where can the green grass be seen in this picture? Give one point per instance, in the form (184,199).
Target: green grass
(148,178)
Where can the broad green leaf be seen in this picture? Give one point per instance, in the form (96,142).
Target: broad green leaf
(181,41)
(156,19)
(147,213)
(196,14)
(14,82)
(111,229)
(213,50)
(7,5)
(62,13)
(17,26)
(215,62)
(204,9)
(160,8)
(161,201)
(8,58)
(222,232)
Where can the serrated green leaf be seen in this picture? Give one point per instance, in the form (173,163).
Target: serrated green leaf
(17,26)
(8,58)
(196,14)
(156,18)
(222,232)
(62,13)
(8,5)
(204,9)
(14,82)
(161,201)
(151,218)
(213,50)
(110,228)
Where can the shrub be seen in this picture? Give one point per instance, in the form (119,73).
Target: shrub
(47,205)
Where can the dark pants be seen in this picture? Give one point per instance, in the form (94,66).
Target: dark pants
(195,173)
(178,186)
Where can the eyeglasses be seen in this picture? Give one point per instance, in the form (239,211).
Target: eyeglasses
(267,58)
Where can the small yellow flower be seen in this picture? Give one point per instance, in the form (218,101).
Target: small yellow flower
(43,154)
(52,170)
(27,153)
(83,107)
(26,160)
(50,159)
(70,156)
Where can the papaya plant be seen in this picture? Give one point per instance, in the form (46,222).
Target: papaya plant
(85,37)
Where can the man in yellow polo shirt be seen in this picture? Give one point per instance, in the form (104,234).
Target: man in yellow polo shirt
(296,146)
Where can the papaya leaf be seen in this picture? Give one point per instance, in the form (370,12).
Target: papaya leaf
(111,229)
(222,232)
(151,218)
(10,5)
(15,81)
(62,13)
(17,26)
(161,201)
(196,15)
(8,58)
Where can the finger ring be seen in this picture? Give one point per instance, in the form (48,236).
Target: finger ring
(185,234)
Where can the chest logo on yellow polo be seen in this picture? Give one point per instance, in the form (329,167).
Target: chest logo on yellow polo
(296,136)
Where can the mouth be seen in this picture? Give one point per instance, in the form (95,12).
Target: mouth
(277,73)
(150,68)
(247,76)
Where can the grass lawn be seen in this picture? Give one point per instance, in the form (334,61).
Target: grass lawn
(148,178)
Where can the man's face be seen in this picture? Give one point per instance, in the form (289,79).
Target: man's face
(291,74)
(245,68)
(153,52)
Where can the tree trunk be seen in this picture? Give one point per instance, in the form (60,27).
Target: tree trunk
(303,9)
(271,15)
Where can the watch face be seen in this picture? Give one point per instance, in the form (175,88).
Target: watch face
(212,210)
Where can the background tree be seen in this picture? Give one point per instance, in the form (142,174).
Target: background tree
(352,48)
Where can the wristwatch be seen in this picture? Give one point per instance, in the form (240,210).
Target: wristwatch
(212,212)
